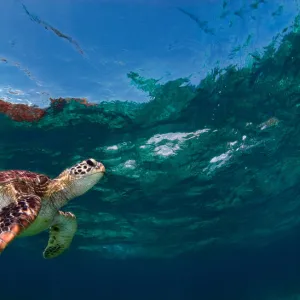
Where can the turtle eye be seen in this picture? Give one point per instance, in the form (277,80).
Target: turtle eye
(91,163)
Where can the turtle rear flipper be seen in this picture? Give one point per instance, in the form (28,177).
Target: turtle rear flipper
(61,234)
(17,216)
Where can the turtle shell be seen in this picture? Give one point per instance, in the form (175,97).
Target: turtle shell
(35,181)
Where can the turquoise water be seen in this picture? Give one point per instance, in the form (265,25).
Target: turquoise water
(201,196)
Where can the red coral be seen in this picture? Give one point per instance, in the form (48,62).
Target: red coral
(59,103)
(21,112)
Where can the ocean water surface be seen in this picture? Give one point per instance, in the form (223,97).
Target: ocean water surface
(193,107)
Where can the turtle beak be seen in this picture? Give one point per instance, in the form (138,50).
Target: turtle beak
(101,168)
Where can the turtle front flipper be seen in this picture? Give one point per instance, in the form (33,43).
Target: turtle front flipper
(61,234)
(17,216)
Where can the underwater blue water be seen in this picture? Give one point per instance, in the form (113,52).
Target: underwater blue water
(196,119)
(154,38)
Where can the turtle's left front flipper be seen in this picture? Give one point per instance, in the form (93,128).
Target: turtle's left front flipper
(17,216)
(61,234)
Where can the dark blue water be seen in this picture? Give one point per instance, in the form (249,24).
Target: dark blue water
(272,273)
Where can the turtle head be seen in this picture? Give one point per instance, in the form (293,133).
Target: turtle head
(84,175)
(77,180)
(87,168)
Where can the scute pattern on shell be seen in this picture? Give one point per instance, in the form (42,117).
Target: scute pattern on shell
(6,176)
(25,181)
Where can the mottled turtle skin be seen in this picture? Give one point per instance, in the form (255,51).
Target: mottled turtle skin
(30,203)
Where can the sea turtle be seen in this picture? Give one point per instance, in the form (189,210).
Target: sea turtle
(30,203)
